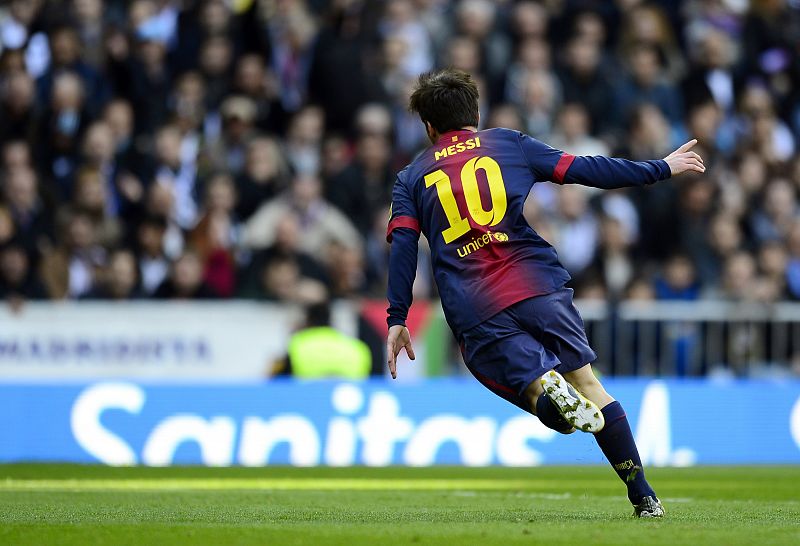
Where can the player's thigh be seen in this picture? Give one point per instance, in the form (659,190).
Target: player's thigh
(556,323)
(506,360)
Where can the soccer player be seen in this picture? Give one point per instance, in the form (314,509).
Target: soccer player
(501,285)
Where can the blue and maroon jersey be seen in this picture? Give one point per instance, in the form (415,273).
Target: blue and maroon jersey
(466,194)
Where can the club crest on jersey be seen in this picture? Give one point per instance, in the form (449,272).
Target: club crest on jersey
(480,242)
(457,148)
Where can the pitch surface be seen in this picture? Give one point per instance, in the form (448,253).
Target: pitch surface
(56,504)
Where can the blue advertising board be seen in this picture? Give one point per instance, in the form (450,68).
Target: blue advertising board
(377,423)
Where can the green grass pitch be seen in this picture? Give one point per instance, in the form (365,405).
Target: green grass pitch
(89,505)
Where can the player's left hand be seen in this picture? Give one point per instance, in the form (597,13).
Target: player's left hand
(399,338)
(683,160)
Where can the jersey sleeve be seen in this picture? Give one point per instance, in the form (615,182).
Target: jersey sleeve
(548,163)
(403,233)
(404,210)
(402,271)
(545,162)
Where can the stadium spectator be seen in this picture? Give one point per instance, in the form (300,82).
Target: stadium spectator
(146,78)
(228,151)
(529,21)
(613,262)
(713,75)
(477,20)
(119,280)
(304,140)
(374,119)
(98,155)
(760,127)
(18,107)
(320,222)
(724,238)
(648,23)
(66,55)
(70,269)
(33,221)
(646,84)
(17,279)
(216,62)
(533,55)
(772,263)
(778,211)
(265,175)
(119,117)
(572,132)
(254,81)
(176,174)
(152,260)
(16,156)
(540,102)
(402,23)
(185,280)
(343,75)
(576,228)
(188,107)
(214,236)
(584,81)
(60,129)
(288,233)
(738,277)
(281,280)
(505,115)
(366,184)
(91,198)
(257,145)
(346,267)
(89,26)
(678,280)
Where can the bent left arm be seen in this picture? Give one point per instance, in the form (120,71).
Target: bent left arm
(402,270)
(403,234)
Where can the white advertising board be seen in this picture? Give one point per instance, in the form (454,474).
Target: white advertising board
(187,341)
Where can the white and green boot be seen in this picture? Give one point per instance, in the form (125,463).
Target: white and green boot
(579,411)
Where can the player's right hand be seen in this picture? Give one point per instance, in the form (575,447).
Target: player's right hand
(683,160)
(399,338)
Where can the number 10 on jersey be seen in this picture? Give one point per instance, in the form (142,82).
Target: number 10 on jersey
(469,182)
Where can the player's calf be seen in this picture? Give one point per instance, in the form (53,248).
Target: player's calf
(617,443)
(586,383)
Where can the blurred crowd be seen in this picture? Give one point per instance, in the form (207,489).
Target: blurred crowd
(247,148)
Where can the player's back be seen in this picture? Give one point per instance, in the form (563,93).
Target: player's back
(467,193)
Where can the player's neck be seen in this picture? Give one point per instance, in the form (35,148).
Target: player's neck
(435,135)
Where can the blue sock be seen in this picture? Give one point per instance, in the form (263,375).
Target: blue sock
(549,416)
(616,441)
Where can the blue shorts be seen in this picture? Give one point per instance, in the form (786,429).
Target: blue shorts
(524,341)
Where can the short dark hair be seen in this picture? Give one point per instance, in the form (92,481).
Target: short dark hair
(447,99)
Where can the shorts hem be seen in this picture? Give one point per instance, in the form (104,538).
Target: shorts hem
(566,367)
